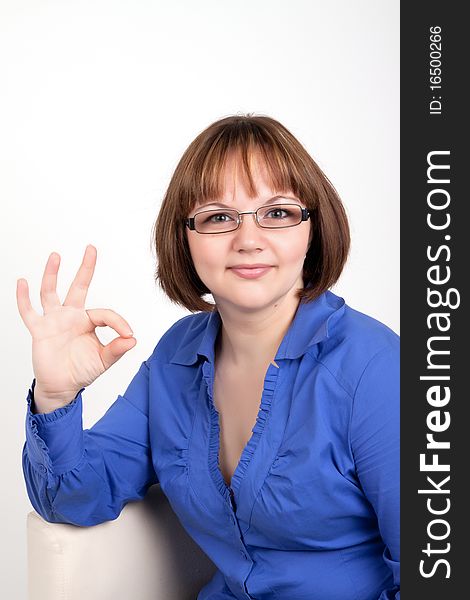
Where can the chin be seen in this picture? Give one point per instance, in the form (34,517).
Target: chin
(249,298)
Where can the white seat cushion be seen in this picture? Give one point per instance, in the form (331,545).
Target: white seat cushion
(144,554)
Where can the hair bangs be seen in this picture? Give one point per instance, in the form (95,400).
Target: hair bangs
(251,151)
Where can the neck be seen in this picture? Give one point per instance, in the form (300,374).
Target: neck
(251,340)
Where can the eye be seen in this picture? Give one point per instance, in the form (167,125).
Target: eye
(277,213)
(218,218)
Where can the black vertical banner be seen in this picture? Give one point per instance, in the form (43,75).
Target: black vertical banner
(435,269)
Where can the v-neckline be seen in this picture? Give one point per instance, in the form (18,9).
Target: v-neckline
(248,452)
(243,391)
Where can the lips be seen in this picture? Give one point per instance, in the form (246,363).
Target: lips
(250,266)
(251,271)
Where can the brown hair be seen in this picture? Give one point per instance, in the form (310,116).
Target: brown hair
(197,179)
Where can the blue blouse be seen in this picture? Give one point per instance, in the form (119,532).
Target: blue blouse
(312,512)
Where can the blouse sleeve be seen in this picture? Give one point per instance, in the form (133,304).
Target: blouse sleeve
(85,477)
(375,443)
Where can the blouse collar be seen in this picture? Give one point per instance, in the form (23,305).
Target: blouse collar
(311,324)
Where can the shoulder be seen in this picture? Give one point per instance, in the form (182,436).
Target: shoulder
(365,332)
(356,342)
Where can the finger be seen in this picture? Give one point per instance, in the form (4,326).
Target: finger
(105,317)
(48,293)
(113,351)
(27,312)
(76,295)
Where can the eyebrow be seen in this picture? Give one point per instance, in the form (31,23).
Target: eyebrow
(265,202)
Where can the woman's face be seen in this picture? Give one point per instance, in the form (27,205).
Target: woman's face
(283,250)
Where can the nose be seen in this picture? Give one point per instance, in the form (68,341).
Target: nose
(249,235)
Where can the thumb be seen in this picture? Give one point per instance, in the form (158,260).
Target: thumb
(113,351)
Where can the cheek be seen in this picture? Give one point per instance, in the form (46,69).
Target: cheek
(206,252)
(294,249)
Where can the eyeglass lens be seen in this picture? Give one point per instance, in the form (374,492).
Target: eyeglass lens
(271,217)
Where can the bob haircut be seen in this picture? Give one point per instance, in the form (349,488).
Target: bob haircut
(198,178)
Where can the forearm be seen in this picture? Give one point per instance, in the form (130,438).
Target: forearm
(84,477)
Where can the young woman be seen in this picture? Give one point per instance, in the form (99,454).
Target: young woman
(270,418)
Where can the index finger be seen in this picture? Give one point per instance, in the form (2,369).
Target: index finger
(78,290)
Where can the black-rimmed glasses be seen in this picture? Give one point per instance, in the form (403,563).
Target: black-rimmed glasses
(223,220)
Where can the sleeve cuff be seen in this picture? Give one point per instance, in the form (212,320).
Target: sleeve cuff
(54,441)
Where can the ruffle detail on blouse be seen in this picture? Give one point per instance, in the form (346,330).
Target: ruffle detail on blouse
(214,466)
(214,435)
(258,428)
(248,451)
(38,452)
(37,449)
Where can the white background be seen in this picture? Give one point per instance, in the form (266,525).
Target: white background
(98,100)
